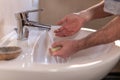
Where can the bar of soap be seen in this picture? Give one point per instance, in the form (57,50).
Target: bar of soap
(55,49)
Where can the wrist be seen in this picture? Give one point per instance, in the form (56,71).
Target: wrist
(86,15)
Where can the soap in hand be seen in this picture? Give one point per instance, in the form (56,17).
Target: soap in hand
(55,49)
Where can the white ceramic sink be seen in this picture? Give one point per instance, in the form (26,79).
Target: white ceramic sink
(35,63)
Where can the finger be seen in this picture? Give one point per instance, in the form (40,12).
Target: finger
(51,52)
(68,30)
(59,30)
(60,53)
(63,33)
(65,26)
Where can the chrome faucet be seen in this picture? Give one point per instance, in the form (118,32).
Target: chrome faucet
(22,21)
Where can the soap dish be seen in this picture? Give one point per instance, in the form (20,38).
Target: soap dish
(8,53)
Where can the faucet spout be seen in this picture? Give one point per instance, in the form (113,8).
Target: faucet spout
(22,20)
(40,26)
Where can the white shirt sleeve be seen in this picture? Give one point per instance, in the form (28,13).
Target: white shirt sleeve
(112,6)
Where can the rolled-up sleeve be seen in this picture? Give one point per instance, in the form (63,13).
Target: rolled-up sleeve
(112,6)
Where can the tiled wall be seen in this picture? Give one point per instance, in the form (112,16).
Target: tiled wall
(7,10)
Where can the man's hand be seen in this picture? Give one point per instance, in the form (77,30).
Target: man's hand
(68,47)
(71,24)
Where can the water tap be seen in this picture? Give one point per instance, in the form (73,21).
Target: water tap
(23,20)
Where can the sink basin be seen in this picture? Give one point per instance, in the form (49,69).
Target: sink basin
(35,62)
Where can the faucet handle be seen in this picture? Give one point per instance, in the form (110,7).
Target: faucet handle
(36,10)
(24,15)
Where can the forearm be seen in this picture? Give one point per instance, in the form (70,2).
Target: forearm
(107,34)
(94,12)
